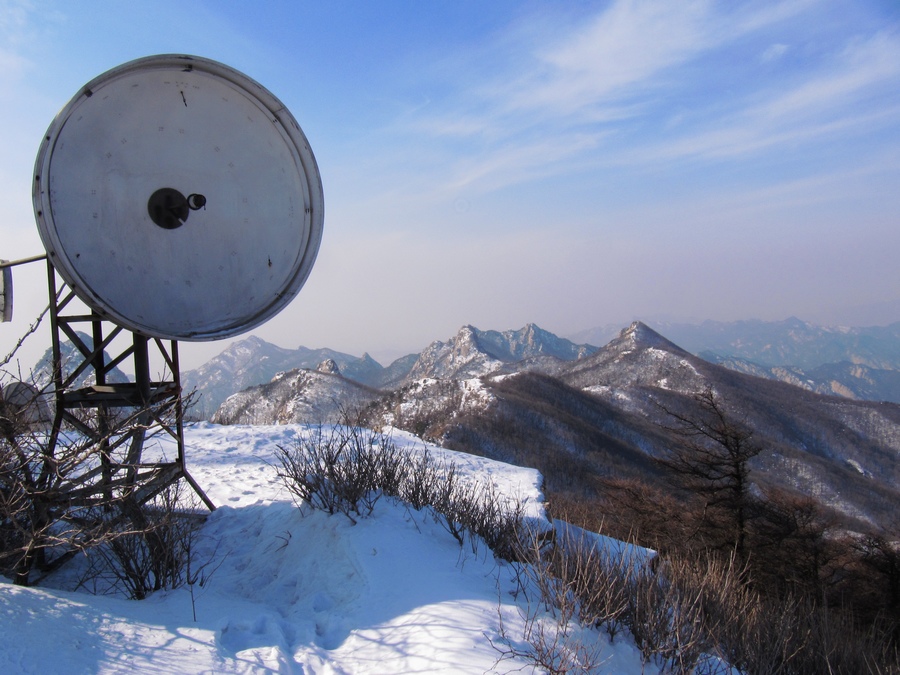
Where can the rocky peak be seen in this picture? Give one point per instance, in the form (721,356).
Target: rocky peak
(530,340)
(640,336)
(639,356)
(473,353)
(466,341)
(328,366)
(42,374)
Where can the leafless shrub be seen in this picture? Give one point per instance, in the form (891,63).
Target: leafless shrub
(421,482)
(477,512)
(497,521)
(336,469)
(58,491)
(346,469)
(565,599)
(693,614)
(576,575)
(147,547)
(39,521)
(550,644)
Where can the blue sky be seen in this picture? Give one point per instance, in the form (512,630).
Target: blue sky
(569,164)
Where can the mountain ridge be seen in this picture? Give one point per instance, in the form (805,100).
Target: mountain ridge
(473,353)
(843,452)
(253,361)
(469,353)
(606,413)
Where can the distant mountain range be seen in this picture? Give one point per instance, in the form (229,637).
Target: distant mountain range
(844,452)
(791,342)
(604,416)
(858,363)
(42,373)
(298,395)
(470,353)
(254,361)
(579,413)
(473,353)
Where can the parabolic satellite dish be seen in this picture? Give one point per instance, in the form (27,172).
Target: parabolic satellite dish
(179,198)
(26,404)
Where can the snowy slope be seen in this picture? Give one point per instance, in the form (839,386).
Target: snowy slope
(297,395)
(474,353)
(295,591)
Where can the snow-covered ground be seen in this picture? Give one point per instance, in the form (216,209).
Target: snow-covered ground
(298,591)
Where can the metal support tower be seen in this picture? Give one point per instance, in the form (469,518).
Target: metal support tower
(149,406)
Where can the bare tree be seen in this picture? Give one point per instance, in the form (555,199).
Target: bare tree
(712,460)
(794,544)
(52,503)
(877,587)
(59,496)
(29,482)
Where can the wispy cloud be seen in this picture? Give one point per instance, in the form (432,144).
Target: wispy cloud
(605,90)
(844,95)
(520,162)
(590,71)
(865,64)
(743,139)
(615,56)
(774,52)
(600,68)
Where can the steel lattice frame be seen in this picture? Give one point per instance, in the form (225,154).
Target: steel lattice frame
(156,406)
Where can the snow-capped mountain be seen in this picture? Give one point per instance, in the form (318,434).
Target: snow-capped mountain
(42,374)
(254,361)
(429,390)
(639,356)
(791,342)
(298,395)
(604,412)
(474,353)
(859,363)
(471,353)
(609,410)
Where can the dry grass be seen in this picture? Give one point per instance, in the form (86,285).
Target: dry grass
(687,613)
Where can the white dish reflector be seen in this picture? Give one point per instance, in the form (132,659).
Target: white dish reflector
(179,198)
